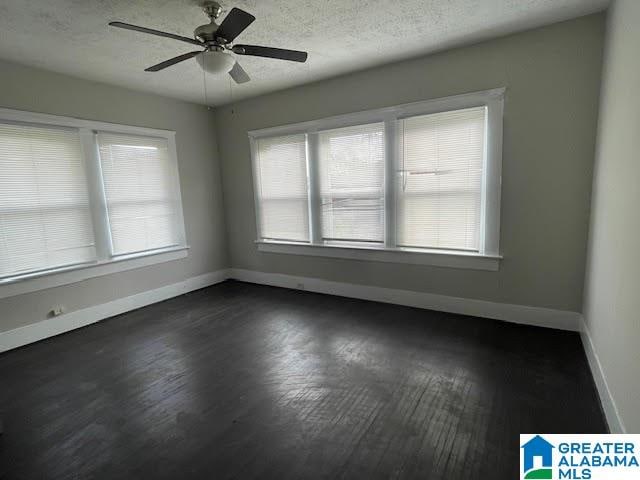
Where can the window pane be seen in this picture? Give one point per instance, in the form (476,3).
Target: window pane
(281,165)
(351,166)
(440,183)
(140,188)
(45,220)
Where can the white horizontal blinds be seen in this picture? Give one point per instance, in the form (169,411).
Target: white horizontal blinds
(281,169)
(140,190)
(439,188)
(351,166)
(45,220)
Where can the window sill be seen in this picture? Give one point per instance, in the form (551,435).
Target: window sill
(33,282)
(438,258)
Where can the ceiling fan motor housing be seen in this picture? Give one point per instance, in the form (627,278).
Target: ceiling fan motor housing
(206,33)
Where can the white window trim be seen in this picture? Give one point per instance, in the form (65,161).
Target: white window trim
(34,282)
(414,256)
(105,263)
(488,257)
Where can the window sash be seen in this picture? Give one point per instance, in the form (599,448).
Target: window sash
(283,198)
(95,205)
(44,205)
(439,184)
(137,175)
(352,184)
(488,235)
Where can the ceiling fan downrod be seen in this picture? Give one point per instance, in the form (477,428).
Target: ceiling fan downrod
(207,33)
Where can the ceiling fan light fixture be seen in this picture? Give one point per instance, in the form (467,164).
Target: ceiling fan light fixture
(216,40)
(215,62)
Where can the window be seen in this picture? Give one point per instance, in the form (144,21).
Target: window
(45,221)
(76,194)
(140,191)
(282,188)
(351,164)
(416,183)
(440,181)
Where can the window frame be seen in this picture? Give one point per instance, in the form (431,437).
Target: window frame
(105,263)
(99,187)
(488,256)
(258,189)
(372,194)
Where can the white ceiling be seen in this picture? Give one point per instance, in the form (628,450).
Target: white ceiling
(72,37)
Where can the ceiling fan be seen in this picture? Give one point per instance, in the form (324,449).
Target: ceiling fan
(217,43)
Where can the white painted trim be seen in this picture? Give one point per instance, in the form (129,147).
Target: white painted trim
(257,188)
(492,177)
(67,275)
(392,168)
(313,188)
(536,316)
(97,195)
(541,317)
(173,155)
(105,263)
(491,100)
(436,105)
(11,115)
(442,258)
(606,399)
(80,318)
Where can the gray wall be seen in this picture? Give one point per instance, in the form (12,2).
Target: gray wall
(40,91)
(612,288)
(553,80)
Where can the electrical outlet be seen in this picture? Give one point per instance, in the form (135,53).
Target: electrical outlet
(57,310)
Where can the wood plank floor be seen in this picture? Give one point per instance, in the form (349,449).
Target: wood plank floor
(247,381)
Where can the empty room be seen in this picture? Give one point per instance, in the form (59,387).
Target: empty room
(300,240)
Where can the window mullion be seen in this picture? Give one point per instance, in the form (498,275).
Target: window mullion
(492,178)
(390,162)
(97,197)
(315,206)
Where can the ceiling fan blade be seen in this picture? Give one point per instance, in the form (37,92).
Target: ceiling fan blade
(172,61)
(151,31)
(234,24)
(270,52)
(238,74)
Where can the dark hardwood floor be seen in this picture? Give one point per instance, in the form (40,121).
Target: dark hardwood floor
(247,381)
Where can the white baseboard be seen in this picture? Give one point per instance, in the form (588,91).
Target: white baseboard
(535,316)
(50,327)
(540,317)
(606,399)
(80,318)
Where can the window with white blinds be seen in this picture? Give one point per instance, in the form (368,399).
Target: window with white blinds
(351,166)
(439,191)
(281,181)
(45,220)
(140,190)
(421,178)
(81,194)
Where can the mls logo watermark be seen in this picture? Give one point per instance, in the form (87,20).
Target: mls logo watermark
(537,458)
(579,457)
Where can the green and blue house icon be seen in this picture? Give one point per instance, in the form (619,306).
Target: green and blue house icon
(537,447)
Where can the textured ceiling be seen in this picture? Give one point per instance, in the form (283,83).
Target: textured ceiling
(72,37)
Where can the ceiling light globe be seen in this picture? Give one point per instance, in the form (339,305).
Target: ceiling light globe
(215,62)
